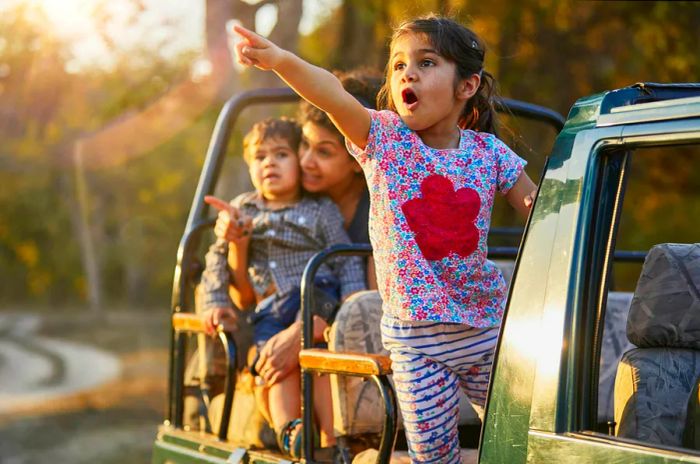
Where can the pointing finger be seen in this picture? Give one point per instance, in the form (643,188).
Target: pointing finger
(248,34)
(217,203)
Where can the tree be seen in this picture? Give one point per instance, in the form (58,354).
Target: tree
(136,134)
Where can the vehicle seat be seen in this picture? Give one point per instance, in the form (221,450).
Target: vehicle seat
(654,381)
(614,345)
(247,426)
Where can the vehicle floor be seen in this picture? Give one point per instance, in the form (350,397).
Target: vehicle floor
(469,456)
(468,438)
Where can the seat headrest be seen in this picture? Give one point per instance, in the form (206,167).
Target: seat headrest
(665,310)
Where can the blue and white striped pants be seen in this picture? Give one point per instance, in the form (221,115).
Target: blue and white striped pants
(431,362)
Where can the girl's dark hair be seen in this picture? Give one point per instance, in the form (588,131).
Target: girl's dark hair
(362,83)
(463,47)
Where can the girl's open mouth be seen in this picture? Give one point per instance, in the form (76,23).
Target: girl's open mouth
(409,98)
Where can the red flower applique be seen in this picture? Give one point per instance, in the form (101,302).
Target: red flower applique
(443,220)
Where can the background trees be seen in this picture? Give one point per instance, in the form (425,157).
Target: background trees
(141,125)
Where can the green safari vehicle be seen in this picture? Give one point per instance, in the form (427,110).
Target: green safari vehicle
(599,356)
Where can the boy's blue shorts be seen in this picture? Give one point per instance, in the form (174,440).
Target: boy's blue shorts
(278,311)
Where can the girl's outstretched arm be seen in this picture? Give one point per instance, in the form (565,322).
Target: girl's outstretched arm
(316,85)
(522,194)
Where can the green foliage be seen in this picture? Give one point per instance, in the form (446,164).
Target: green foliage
(142,207)
(549,52)
(136,210)
(552,52)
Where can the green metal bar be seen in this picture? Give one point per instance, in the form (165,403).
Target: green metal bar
(307,303)
(230,383)
(390,430)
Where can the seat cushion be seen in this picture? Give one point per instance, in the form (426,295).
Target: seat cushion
(613,346)
(652,388)
(247,427)
(355,401)
(665,310)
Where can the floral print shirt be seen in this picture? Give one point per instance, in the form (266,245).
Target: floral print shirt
(429,220)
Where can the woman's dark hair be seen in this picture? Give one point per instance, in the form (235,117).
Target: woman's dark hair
(362,83)
(463,47)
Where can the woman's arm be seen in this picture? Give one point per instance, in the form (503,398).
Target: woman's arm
(316,85)
(280,355)
(522,194)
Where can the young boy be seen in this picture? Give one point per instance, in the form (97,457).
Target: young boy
(267,237)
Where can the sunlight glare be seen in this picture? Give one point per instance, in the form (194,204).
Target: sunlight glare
(544,348)
(74,21)
(172,27)
(68,16)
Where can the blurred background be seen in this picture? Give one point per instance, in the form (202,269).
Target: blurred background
(106,108)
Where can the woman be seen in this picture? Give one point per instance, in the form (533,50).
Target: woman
(327,169)
(327,166)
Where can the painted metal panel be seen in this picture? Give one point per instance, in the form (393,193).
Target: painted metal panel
(543,444)
(534,385)
(585,449)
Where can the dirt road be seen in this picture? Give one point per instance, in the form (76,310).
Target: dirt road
(79,388)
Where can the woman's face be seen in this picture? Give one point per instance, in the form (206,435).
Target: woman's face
(326,165)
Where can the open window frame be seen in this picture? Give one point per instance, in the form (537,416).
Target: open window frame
(610,166)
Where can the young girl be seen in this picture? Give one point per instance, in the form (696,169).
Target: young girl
(432,172)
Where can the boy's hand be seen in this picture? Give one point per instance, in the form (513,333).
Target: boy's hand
(231,224)
(255,50)
(224,317)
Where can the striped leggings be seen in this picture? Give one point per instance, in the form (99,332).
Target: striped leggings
(431,362)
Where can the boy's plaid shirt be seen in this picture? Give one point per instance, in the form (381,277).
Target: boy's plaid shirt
(282,242)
